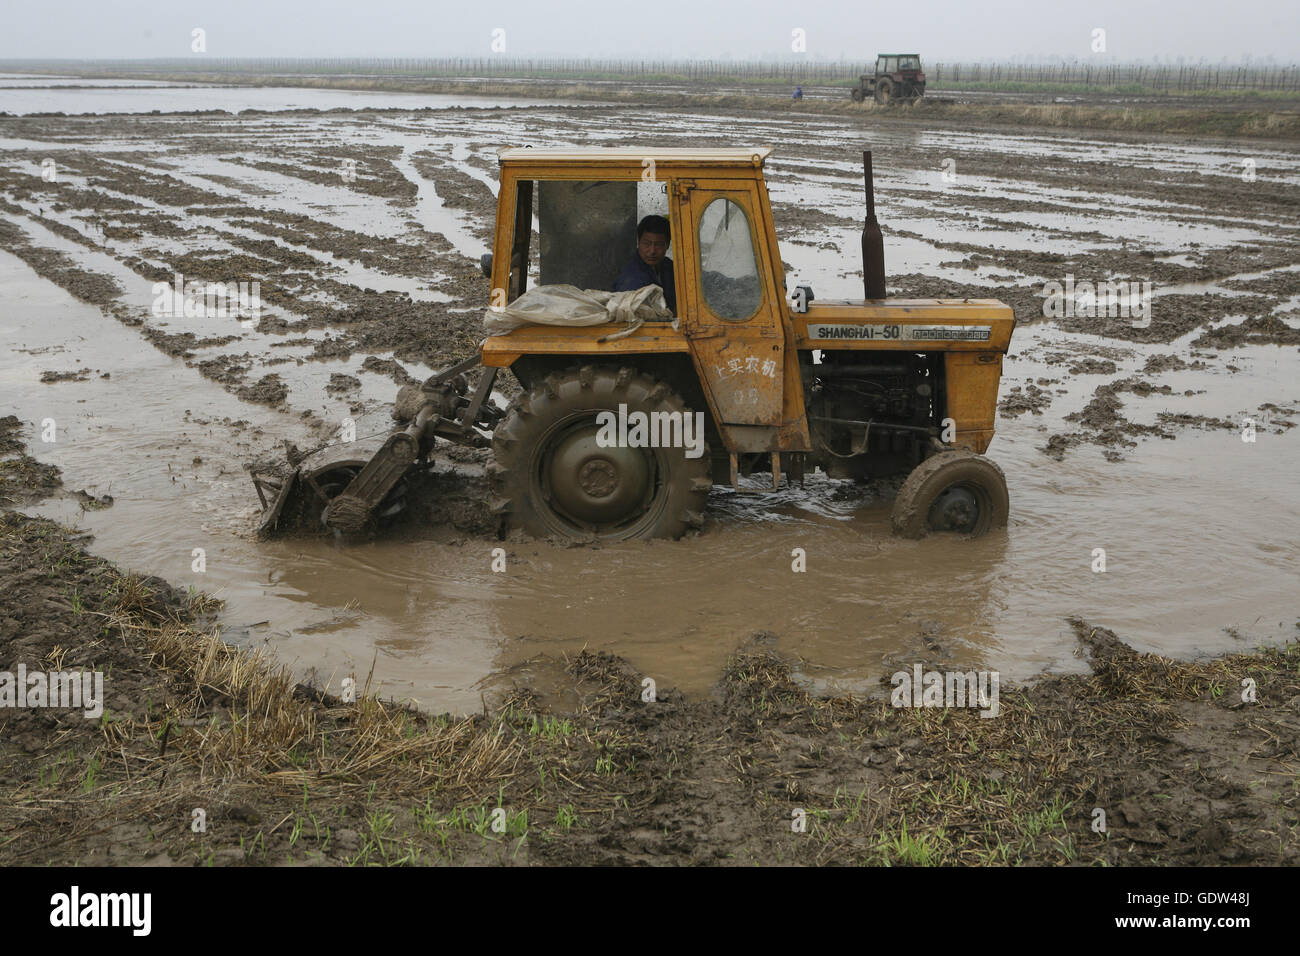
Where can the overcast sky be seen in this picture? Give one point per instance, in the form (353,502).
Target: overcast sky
(938,29)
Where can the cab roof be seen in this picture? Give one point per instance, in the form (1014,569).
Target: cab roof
(633,156)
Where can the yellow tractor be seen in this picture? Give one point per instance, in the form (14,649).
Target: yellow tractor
(622,427)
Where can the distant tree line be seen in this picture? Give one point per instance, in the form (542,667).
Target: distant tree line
(1172,77)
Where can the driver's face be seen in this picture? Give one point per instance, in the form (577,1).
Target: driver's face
(652,247)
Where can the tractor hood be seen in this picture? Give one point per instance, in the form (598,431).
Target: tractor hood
(928,324)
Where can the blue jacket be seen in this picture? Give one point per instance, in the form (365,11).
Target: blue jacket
(637,274)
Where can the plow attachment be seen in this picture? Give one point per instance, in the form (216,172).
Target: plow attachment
(343,486)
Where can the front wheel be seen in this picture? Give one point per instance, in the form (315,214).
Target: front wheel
(953,491)
(557,473)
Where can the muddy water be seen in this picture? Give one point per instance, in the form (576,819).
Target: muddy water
(1200,536)
(1180,568)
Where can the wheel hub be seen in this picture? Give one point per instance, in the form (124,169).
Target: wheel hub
(598,478)
(595,485)
(957,509)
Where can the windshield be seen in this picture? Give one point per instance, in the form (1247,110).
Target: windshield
(580,233)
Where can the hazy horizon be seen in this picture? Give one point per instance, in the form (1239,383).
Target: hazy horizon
(1268,31)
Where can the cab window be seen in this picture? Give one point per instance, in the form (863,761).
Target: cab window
(579,233)
(729,279)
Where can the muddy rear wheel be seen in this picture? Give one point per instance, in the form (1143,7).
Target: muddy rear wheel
(553,478)
(884,90)
(953,491)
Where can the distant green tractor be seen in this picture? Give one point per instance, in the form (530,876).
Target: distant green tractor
(898,76)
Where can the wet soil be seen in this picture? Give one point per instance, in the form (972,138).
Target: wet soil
(1019,400)
(459,190)
(23,479)
(267,390)
(58,268)
(370,171)
(184,344)
(1104,424)
(342,384)
(390,368)
(1267,330)
(1156,364)
(50,377)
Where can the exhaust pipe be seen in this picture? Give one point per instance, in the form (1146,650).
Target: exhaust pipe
(873,243)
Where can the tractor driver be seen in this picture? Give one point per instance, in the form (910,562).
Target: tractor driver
(650,265)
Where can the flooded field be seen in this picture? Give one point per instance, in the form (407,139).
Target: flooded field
(21,95)
(364,227)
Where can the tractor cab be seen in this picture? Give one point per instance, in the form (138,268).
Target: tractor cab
(899,65)
(570,217)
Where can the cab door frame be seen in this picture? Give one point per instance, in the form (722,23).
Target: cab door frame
(740,363)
